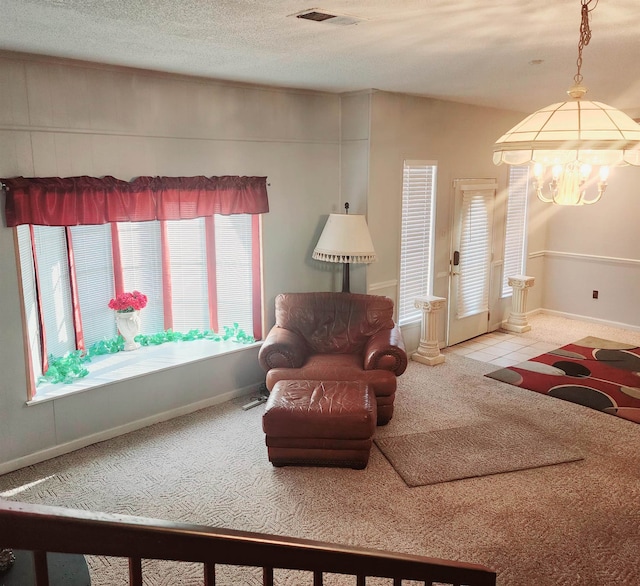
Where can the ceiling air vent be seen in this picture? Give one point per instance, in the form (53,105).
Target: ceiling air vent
(319,15)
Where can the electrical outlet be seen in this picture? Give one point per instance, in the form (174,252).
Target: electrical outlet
(595,294)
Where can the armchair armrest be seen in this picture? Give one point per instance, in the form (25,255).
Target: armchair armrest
(385,351)
(282,349)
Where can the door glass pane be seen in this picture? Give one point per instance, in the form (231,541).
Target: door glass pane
(473,293)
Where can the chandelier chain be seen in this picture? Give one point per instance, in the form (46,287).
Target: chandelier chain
(585,36)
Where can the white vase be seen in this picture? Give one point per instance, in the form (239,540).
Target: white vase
(128,323)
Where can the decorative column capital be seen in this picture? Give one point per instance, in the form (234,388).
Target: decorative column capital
(521,281)
(429,303)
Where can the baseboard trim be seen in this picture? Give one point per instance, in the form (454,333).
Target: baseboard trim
(83,442)
(595,320)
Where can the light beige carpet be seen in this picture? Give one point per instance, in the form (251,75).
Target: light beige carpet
(573,524)
(470,451)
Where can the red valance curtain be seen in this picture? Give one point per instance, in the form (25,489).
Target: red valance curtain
(72,201)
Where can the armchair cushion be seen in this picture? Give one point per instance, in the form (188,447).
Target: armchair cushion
(334,322)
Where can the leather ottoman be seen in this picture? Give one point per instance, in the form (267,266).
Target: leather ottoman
(316,423)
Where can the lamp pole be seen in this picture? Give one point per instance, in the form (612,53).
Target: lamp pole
(345,265)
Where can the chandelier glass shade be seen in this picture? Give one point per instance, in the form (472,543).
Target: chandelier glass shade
(572,144)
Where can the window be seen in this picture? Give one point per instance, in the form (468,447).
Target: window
(190,244)
(190,282)
(515,235)
(416,240)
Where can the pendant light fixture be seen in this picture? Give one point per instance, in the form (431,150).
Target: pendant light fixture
(572,144)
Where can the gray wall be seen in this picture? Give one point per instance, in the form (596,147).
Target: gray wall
(63,119)
(318,151)
(597,248)
(460,139)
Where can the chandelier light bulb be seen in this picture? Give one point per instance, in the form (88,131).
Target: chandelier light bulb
(538,171)
(585,171)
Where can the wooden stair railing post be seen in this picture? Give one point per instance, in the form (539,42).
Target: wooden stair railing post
(41,568)
(135,572)
(209,574)
(267,576)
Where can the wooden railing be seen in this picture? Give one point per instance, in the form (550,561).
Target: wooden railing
(41,529)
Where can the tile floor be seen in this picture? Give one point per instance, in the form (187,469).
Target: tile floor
(501,348)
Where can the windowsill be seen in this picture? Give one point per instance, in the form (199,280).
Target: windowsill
(112,368)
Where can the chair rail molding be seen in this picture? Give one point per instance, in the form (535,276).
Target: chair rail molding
(585,257)
(383,285)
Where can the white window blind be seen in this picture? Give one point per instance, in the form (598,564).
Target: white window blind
(416,244)
(30,298)
(473,294)
(189,288)
(94,274)
(141,254)
(515,234)
(234,271)
(55,291)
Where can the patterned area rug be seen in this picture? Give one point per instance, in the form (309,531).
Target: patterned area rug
(470,451)
(593,372)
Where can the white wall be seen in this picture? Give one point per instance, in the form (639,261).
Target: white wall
(62,119)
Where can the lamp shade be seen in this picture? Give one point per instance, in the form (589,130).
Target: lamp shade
(345,239)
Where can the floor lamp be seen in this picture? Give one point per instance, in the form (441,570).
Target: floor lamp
(345,239)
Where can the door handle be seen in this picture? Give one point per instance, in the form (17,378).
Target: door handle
(456,258)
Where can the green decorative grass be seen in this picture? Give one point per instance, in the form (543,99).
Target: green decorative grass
(70,367)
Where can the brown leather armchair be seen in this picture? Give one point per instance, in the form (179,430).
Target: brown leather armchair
(336,336)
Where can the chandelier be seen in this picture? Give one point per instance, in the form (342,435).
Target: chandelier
(572,144)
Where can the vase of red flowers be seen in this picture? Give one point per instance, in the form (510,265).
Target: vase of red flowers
(127,307)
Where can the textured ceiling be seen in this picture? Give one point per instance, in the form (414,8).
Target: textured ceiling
(512,54)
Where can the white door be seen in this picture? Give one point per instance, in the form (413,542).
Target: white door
(470,262)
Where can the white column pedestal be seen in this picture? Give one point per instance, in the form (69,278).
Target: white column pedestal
(428,351)
(517,320)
